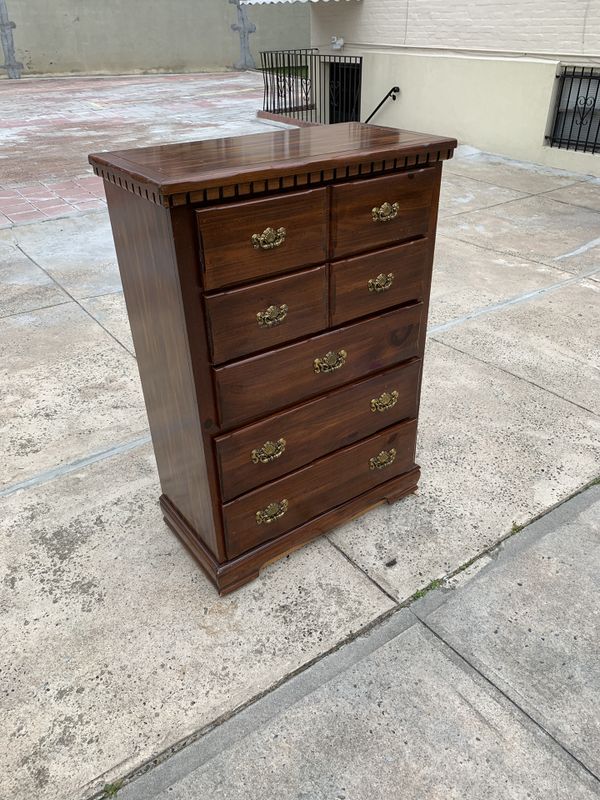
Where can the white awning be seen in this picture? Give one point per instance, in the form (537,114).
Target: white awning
(261,2)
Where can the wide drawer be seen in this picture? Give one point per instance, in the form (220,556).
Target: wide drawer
(263,315)
(266,450)
(366,284)
(281,506)
(261,384)
(369,214)
(258,238)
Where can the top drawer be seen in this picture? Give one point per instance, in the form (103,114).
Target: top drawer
(244,241)
(372,213)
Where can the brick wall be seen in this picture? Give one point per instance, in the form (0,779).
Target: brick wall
(551,26)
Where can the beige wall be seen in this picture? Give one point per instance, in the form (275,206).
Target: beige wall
(531,26)
(498,105)
(127,36)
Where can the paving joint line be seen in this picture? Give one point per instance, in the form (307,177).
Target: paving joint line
(363,572)
(75,300)
(75,466)
(512,301)
(33,310)
(509,699)
(371,627)
(510,253)
(514,375)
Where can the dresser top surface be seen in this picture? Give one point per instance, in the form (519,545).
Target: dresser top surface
(188,166)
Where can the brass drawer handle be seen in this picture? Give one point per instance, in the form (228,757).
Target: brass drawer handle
(268,452)
(272,512)
(384,401)
(381,283)
(386,212)
(330,361)
(274,315)
(385,459)
(268,239)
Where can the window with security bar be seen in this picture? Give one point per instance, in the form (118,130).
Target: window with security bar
(577,115)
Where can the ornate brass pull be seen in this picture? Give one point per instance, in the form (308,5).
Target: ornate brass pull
(268,239)
(268,452)
(330,361)
(385,459)
(274,315)
(386,212)
(381,283)
(384,401)
(272,512)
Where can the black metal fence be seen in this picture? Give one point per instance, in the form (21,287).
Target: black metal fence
(577,115)
(308,86)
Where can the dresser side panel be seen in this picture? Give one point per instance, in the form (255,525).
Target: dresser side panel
(149,271)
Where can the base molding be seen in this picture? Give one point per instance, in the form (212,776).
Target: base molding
(230,575)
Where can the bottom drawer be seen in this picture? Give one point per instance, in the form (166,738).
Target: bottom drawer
(288,502)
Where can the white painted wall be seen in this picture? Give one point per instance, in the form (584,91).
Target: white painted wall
(483,71)
(532,26)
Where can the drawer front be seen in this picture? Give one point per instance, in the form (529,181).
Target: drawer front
(266,314)
(272,510)
(367,284)
(373,213)
(260,453)
(258,238)
(263,383)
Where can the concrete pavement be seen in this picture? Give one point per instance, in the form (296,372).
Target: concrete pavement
(116,650)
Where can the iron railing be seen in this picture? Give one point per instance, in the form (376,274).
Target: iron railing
(308,86)
(577,115)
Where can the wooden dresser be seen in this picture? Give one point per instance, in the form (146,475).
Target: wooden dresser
(277,287)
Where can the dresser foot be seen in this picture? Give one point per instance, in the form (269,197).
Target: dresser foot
(234,573)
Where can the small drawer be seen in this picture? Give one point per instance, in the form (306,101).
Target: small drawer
(370,214)
(273,447)
(266,314)
(261,384)
(367,284)
(259,238)
(273,510)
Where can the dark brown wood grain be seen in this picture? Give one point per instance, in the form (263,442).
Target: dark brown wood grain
(282,156)
(317,488)
(352,227)
(409,264)
(229,256)
(218,386)
(232,316)
(235,572)
(315,428)
(149,268)
(264,383)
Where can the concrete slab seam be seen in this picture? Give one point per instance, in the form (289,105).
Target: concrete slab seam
(206,743)
(513,375)
(513,301)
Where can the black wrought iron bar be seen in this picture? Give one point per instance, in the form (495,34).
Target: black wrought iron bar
(395,90)
(577,113)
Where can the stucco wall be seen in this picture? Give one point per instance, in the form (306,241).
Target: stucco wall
(532,26)
(128,36)
(499,105)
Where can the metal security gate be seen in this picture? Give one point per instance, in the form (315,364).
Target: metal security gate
(308,86)
(577,115)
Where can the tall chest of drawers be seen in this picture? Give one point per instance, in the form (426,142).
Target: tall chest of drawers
(277,287)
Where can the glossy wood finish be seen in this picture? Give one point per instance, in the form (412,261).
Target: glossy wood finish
(315,428)
(229,257)
(352,297)
(235,572)
(225,169)
(151,281)
(209,409)
(353,229)
(233,325)
(264,383)
(327,483)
